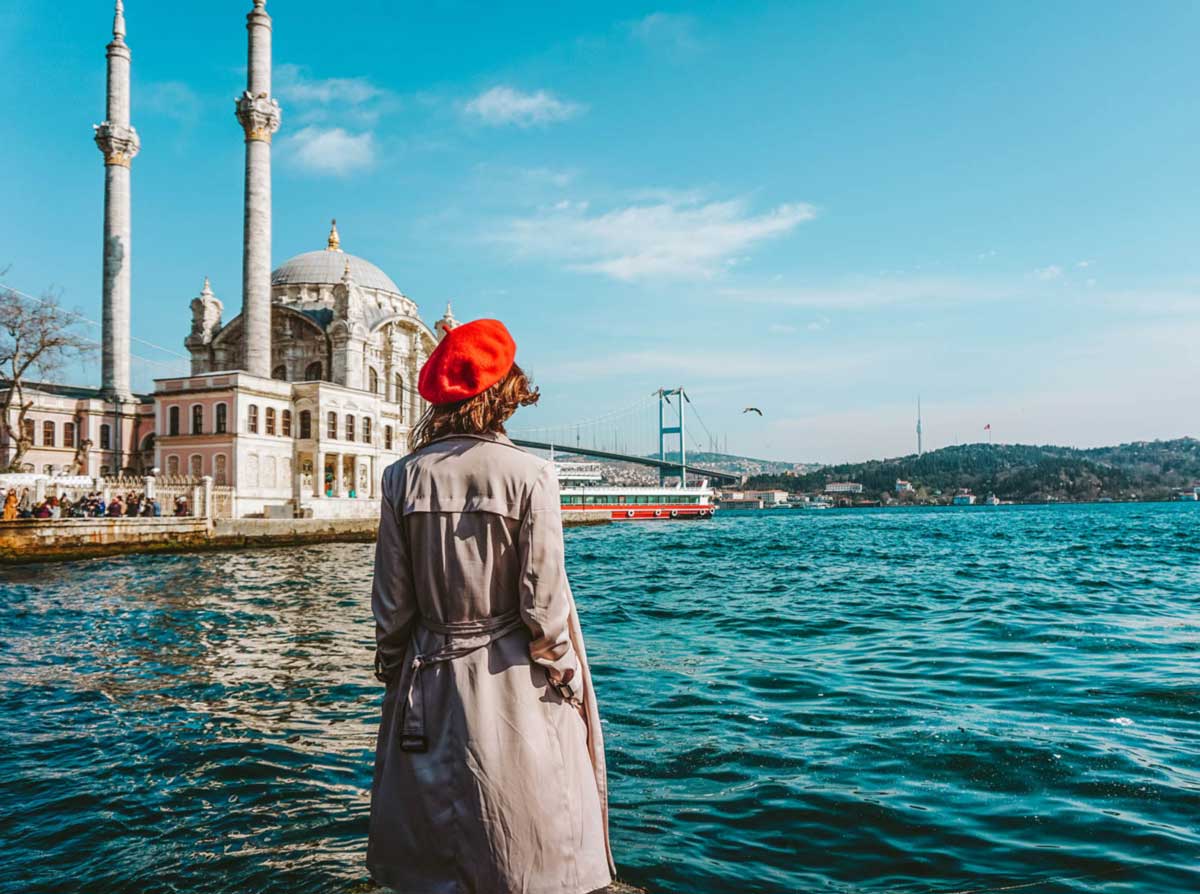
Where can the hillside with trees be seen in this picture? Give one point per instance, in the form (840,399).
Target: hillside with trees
(1145,470)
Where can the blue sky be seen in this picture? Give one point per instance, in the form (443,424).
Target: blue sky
(821,209)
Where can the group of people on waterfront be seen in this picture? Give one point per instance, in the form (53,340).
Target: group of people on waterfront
(93,505)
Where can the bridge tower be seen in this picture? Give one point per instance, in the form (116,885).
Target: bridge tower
(664,400)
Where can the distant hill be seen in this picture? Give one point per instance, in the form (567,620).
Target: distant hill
(741,465)
(1142,470)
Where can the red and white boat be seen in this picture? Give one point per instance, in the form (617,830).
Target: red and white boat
(583,490)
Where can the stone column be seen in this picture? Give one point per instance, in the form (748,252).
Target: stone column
(259,116)
(119,143)
(336,459)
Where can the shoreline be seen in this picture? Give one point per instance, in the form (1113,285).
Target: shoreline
(33,541)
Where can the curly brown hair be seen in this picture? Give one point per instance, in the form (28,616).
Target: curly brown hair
(482,414)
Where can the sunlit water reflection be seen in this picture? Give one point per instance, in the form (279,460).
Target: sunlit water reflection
(925,700)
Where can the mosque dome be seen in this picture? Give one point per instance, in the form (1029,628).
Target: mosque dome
(327,267)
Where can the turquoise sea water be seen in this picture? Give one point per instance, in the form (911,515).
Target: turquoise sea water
(928,700)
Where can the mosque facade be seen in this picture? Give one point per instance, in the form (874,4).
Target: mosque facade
(295,405)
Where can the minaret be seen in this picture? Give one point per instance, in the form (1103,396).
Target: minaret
(119,143)
(259,116)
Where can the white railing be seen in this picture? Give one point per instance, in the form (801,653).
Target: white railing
(180,495)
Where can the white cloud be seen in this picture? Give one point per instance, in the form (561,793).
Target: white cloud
(337,117)
(688,239)
(781,329)
(677,31)
(502,105)
(331,150)
(1048,273)
(293,84)
(1083,264)
(698,366)
(859,293)
(344,101)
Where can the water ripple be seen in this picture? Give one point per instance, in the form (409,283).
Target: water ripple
(904,701)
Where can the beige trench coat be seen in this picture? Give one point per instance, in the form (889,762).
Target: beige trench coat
(487,779)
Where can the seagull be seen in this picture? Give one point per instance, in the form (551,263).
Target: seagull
(752,410)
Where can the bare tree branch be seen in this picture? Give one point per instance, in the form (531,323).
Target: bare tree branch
(37,337)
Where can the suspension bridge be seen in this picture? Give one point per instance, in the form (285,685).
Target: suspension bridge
(653,432)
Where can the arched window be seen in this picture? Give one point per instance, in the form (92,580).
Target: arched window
(366,429)
(68,434)
(28,430)
(105,437)
(387,437)
(312,372)
(222,418)
(173,421)
(331,431)
(280,373)
(305,424)
(173,465)
(270,420)
(198,419)
(220,472)
(47,433)
(349,426)
(373,380)
(196,465)
(398,394)
(286,420)
(252,419)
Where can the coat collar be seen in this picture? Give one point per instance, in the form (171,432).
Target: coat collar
(492,436)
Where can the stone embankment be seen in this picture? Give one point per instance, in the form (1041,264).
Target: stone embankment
(36,540)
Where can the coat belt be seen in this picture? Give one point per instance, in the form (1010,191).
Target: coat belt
(462,638)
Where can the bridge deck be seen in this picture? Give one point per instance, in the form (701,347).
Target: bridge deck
(712,474)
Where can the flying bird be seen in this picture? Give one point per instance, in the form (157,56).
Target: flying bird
(752,410)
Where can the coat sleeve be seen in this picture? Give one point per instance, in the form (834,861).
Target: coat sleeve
(393,600)
(545,598)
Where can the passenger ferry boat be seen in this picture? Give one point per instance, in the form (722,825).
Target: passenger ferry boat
(583,490)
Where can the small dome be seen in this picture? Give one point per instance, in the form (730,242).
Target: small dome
(327,267)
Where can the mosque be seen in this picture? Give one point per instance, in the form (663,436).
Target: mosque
(294,406)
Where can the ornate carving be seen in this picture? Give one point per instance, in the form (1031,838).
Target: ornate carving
(259,116)
(118,143)
(206,314)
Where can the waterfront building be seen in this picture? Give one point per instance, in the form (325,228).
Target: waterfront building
(769,498)
(298,403)
(904,487)
(843,487)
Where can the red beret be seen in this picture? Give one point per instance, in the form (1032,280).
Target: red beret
(469,360)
